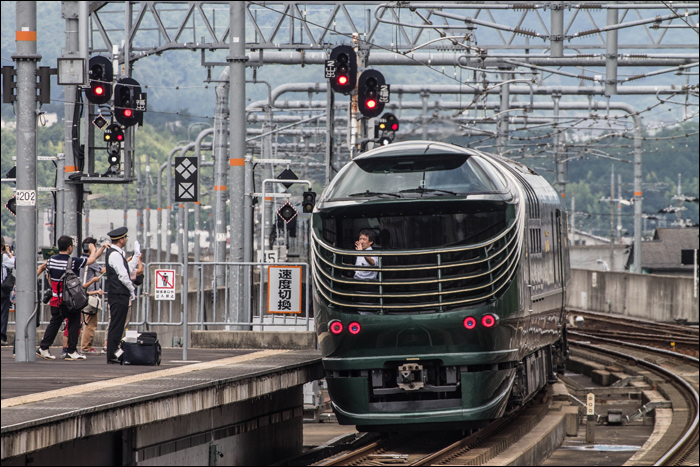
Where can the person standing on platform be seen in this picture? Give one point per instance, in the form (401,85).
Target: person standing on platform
(120,288)
(56,267)
(90,276)
(8,264)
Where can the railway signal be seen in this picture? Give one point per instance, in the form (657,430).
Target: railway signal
(308,201)
(100,74)
(287,212)
(341,69)
(114,133)
(129,102)
(386,128)
(372,92)
(11,205)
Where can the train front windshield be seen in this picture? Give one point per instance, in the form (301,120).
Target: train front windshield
(416,176)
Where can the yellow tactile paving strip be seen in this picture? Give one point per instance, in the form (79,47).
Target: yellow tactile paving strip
(109,383)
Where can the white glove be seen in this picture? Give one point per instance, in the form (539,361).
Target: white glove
(132,297)
(137,248)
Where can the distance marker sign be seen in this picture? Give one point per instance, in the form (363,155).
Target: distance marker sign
(165,284)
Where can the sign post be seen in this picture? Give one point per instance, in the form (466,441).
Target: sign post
(590,418)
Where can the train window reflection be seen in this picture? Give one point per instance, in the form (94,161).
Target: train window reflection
(411,176)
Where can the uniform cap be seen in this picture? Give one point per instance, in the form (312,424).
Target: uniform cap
(118,233)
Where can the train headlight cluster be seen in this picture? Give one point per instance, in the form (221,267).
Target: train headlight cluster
(336,327)
(487,321)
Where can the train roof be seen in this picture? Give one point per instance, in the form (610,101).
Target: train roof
(415,148)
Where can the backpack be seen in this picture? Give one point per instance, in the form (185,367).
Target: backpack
(75,297)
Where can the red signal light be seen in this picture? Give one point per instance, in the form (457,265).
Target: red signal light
(336,327)
(120,137)
(342,80)
(469,322)
(127,112)
(354,328)
(395,126)
(488,321)
(371,103)
(99,90)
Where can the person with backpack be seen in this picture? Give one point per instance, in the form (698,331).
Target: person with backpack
(63,270)
(8,283)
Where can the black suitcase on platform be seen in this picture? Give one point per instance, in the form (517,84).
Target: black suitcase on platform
(145,351)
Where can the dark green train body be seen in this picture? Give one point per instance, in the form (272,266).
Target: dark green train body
(465,316)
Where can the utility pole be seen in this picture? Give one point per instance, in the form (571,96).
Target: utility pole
(619,209)
(612,216)
(70,11)
(237,59)
(25,230)
(573,216)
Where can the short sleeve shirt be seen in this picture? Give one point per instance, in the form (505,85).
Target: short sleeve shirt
(361,261)
(55,267)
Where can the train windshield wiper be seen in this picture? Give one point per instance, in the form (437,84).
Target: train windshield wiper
(375,193)
(427,190)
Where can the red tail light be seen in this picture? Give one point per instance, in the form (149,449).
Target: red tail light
(336,327)
(488,321)
(354,328)
(469,322)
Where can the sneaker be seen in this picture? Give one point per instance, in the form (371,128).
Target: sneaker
(75,356)
(45,354)
(92,351)
(64,352)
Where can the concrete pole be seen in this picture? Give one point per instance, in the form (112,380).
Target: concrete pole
(185,283)
(70,11)
(503,118)
(637,191)
(198,205)
(25,231)
(557,29)
(129,133)
(86,214)
(60,196)
(139,202)
(86,128)
(573,217)
(248,237)
(126,203)
(619,209)
(147,210)
(424,116)
(220,144)
(237,59)
(612,215)
(611,53)
(159,217)
(330,129)
(560,183)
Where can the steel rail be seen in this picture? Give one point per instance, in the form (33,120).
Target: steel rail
(690,432)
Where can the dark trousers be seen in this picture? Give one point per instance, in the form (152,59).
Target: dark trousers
(118,308)
(5,316)
(58,314)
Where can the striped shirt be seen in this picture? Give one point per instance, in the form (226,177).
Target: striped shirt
(56,267)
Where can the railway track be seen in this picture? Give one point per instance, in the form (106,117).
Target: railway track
(448,448)
(678,376)
(678,338)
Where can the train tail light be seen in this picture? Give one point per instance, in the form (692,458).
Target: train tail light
(469,322)
(488,321)
(336,327)
(354,328)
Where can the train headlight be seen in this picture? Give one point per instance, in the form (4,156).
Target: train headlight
(469,322)
(336,327)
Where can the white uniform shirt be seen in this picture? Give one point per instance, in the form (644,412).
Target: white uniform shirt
(7,263)
(118,265)
(361,261)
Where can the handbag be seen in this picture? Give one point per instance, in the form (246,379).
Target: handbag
(8,284)
(94,302)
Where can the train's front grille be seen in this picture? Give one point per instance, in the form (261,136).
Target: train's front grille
(414,281)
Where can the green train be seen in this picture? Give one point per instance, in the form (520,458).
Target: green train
(456,314)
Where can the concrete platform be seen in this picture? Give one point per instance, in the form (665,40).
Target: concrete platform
(248,404)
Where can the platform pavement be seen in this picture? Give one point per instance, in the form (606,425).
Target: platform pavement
(41,401)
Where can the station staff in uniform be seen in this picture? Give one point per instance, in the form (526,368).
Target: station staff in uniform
(121,289)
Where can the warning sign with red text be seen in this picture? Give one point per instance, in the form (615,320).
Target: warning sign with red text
(164,284)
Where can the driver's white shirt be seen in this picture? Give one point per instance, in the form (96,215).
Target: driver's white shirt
(361,261)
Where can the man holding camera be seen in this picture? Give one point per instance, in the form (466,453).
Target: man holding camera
(7,280)
(56,267)
(90,275)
